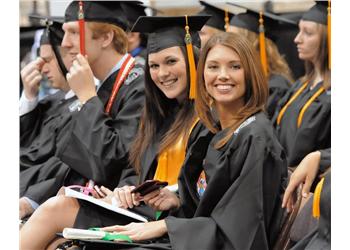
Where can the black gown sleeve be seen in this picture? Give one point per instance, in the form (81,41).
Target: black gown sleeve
(97,145)
(325,160)
(42,181)
(31,123)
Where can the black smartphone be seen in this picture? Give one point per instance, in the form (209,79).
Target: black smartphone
(149,186)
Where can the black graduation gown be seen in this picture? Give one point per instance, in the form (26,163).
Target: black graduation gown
(320,237)
(40,171)
(93,145)
(315,130)
(96,145)
(241,206)
(278,87)
(90,215)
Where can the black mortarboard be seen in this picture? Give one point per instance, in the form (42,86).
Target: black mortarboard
(217,19)
(133,10)
(98,11)
(317,13)
(53,34)
(168,31)
(250,21)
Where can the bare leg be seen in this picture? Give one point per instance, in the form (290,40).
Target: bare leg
(50,218)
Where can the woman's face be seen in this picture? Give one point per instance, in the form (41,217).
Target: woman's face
(224,76)
(308,41)
(168,71)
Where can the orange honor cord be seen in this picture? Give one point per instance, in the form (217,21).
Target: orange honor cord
(227,20)
(124,71)
(283,110)
(317,197)
(308,103)
(191,62)
(262,44)
(329,33)
(81,28)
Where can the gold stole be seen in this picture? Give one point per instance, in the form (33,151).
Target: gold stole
(170,160)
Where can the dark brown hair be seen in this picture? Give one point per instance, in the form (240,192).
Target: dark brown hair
(256,85)
(157,108)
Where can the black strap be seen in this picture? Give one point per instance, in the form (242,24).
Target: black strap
(57,54)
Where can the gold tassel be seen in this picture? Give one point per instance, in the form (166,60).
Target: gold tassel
(227,20)
(191,62)
(262,44)
(316,202)
(329,33)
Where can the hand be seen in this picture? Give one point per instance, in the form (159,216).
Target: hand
(304,173)
(81,79)
(125,198)
(161,200)
(140,231)
(101,192)
(31,78)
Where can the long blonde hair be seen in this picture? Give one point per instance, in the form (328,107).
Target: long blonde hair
(256,93)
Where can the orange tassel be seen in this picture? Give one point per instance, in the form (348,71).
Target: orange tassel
(262,45)
(317,197)
(191,62)
(81,28)
(329,33)
(227,20)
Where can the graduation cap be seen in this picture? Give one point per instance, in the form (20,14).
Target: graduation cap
(53,35)
(321,13)
(261,23)
(97,11)
(133,10)
(219,18)
(166,31)
(317,13)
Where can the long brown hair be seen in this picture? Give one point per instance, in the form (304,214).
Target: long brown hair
(157,109)
(120,40)
(322,58)
(276,62)
(256,93)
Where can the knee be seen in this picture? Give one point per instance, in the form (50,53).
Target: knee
(58,204)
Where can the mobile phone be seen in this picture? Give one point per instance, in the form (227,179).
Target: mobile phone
(149,186)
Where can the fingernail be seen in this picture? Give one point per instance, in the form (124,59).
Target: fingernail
(305,195)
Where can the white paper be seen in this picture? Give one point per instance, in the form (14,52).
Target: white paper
(72,193)
(74,233)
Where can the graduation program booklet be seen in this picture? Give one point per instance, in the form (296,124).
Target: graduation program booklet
(75,194)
